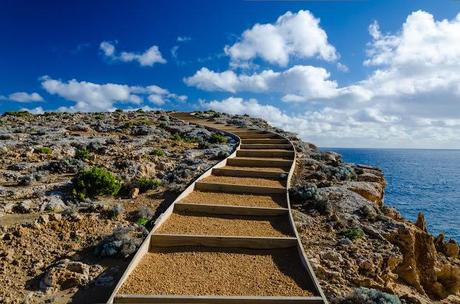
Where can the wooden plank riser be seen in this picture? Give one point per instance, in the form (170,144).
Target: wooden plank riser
(259,163)
(229,188)
(216,299)
(176,240)
(248,173)
(262,153)
(263,141)
(229,210)
(266,146)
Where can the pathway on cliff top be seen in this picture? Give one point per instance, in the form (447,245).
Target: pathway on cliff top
(230,237)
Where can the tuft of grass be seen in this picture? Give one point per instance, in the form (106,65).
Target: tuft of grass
(43,150)
(177,137)
(353,234)
(157,152)
(218,139)
(95,181)
(142,221)
(144,184)
(82,154)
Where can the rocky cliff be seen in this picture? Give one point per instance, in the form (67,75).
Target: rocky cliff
(61,241)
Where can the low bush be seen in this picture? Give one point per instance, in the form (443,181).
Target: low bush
(142,221)
(144,184)
(17,113)
(353,233)
(82,154)
(93,182)
(157,152)
(370,296)
(218,139)
(43,150)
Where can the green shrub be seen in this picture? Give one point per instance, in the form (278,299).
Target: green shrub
(177,137)
(142,221)
(18,113)
(140,111)
(157,152)
(119,110)
(353,233)
(145,184)
(82,154)
(95,181)
(370,296)
(43,150)
(218,138)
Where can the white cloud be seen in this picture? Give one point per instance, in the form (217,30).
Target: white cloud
(292,35)
(148,58)
(90,96)
(331,127)
(25,97)
(183,38)
(303,82)
(411,99)
(37,110)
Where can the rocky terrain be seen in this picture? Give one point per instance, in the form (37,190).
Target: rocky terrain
(361,250)
(62,242)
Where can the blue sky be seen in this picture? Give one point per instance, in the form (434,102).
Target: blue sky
(339,73)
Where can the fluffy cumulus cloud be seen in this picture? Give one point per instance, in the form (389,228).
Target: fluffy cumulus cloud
(23,97)
(148,58)
(296,84)
(410,99)
(292,35)
(90,96)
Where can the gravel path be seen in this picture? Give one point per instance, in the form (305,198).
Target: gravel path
(205,224)
(210,271)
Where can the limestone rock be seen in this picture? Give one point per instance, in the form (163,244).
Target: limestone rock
(421,223)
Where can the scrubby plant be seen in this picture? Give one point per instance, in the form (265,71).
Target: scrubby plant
(142,221)
(370,296)
(140,111)
(43,150)
(82,154)
(144,184)
(218,139)
(157,152)
(95,181)
(353,233)
(177,137)
(115,211)
(119,110)
(18,113)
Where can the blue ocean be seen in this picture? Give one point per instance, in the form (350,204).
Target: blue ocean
(425,181)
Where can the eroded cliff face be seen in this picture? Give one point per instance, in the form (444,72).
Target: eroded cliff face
(354,240)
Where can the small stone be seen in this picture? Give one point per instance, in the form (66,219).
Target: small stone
(55,217)
(332,256)
(134,192)
(43,219)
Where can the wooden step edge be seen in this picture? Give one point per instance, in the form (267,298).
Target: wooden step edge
(230,209)
(249,242)
(259,162)
(264,153)
(135,298)
(236,188)
(249,173)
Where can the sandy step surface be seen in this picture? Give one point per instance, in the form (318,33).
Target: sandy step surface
(261,169)
(234,199)
(228,225)
(221,272)
(247,181)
